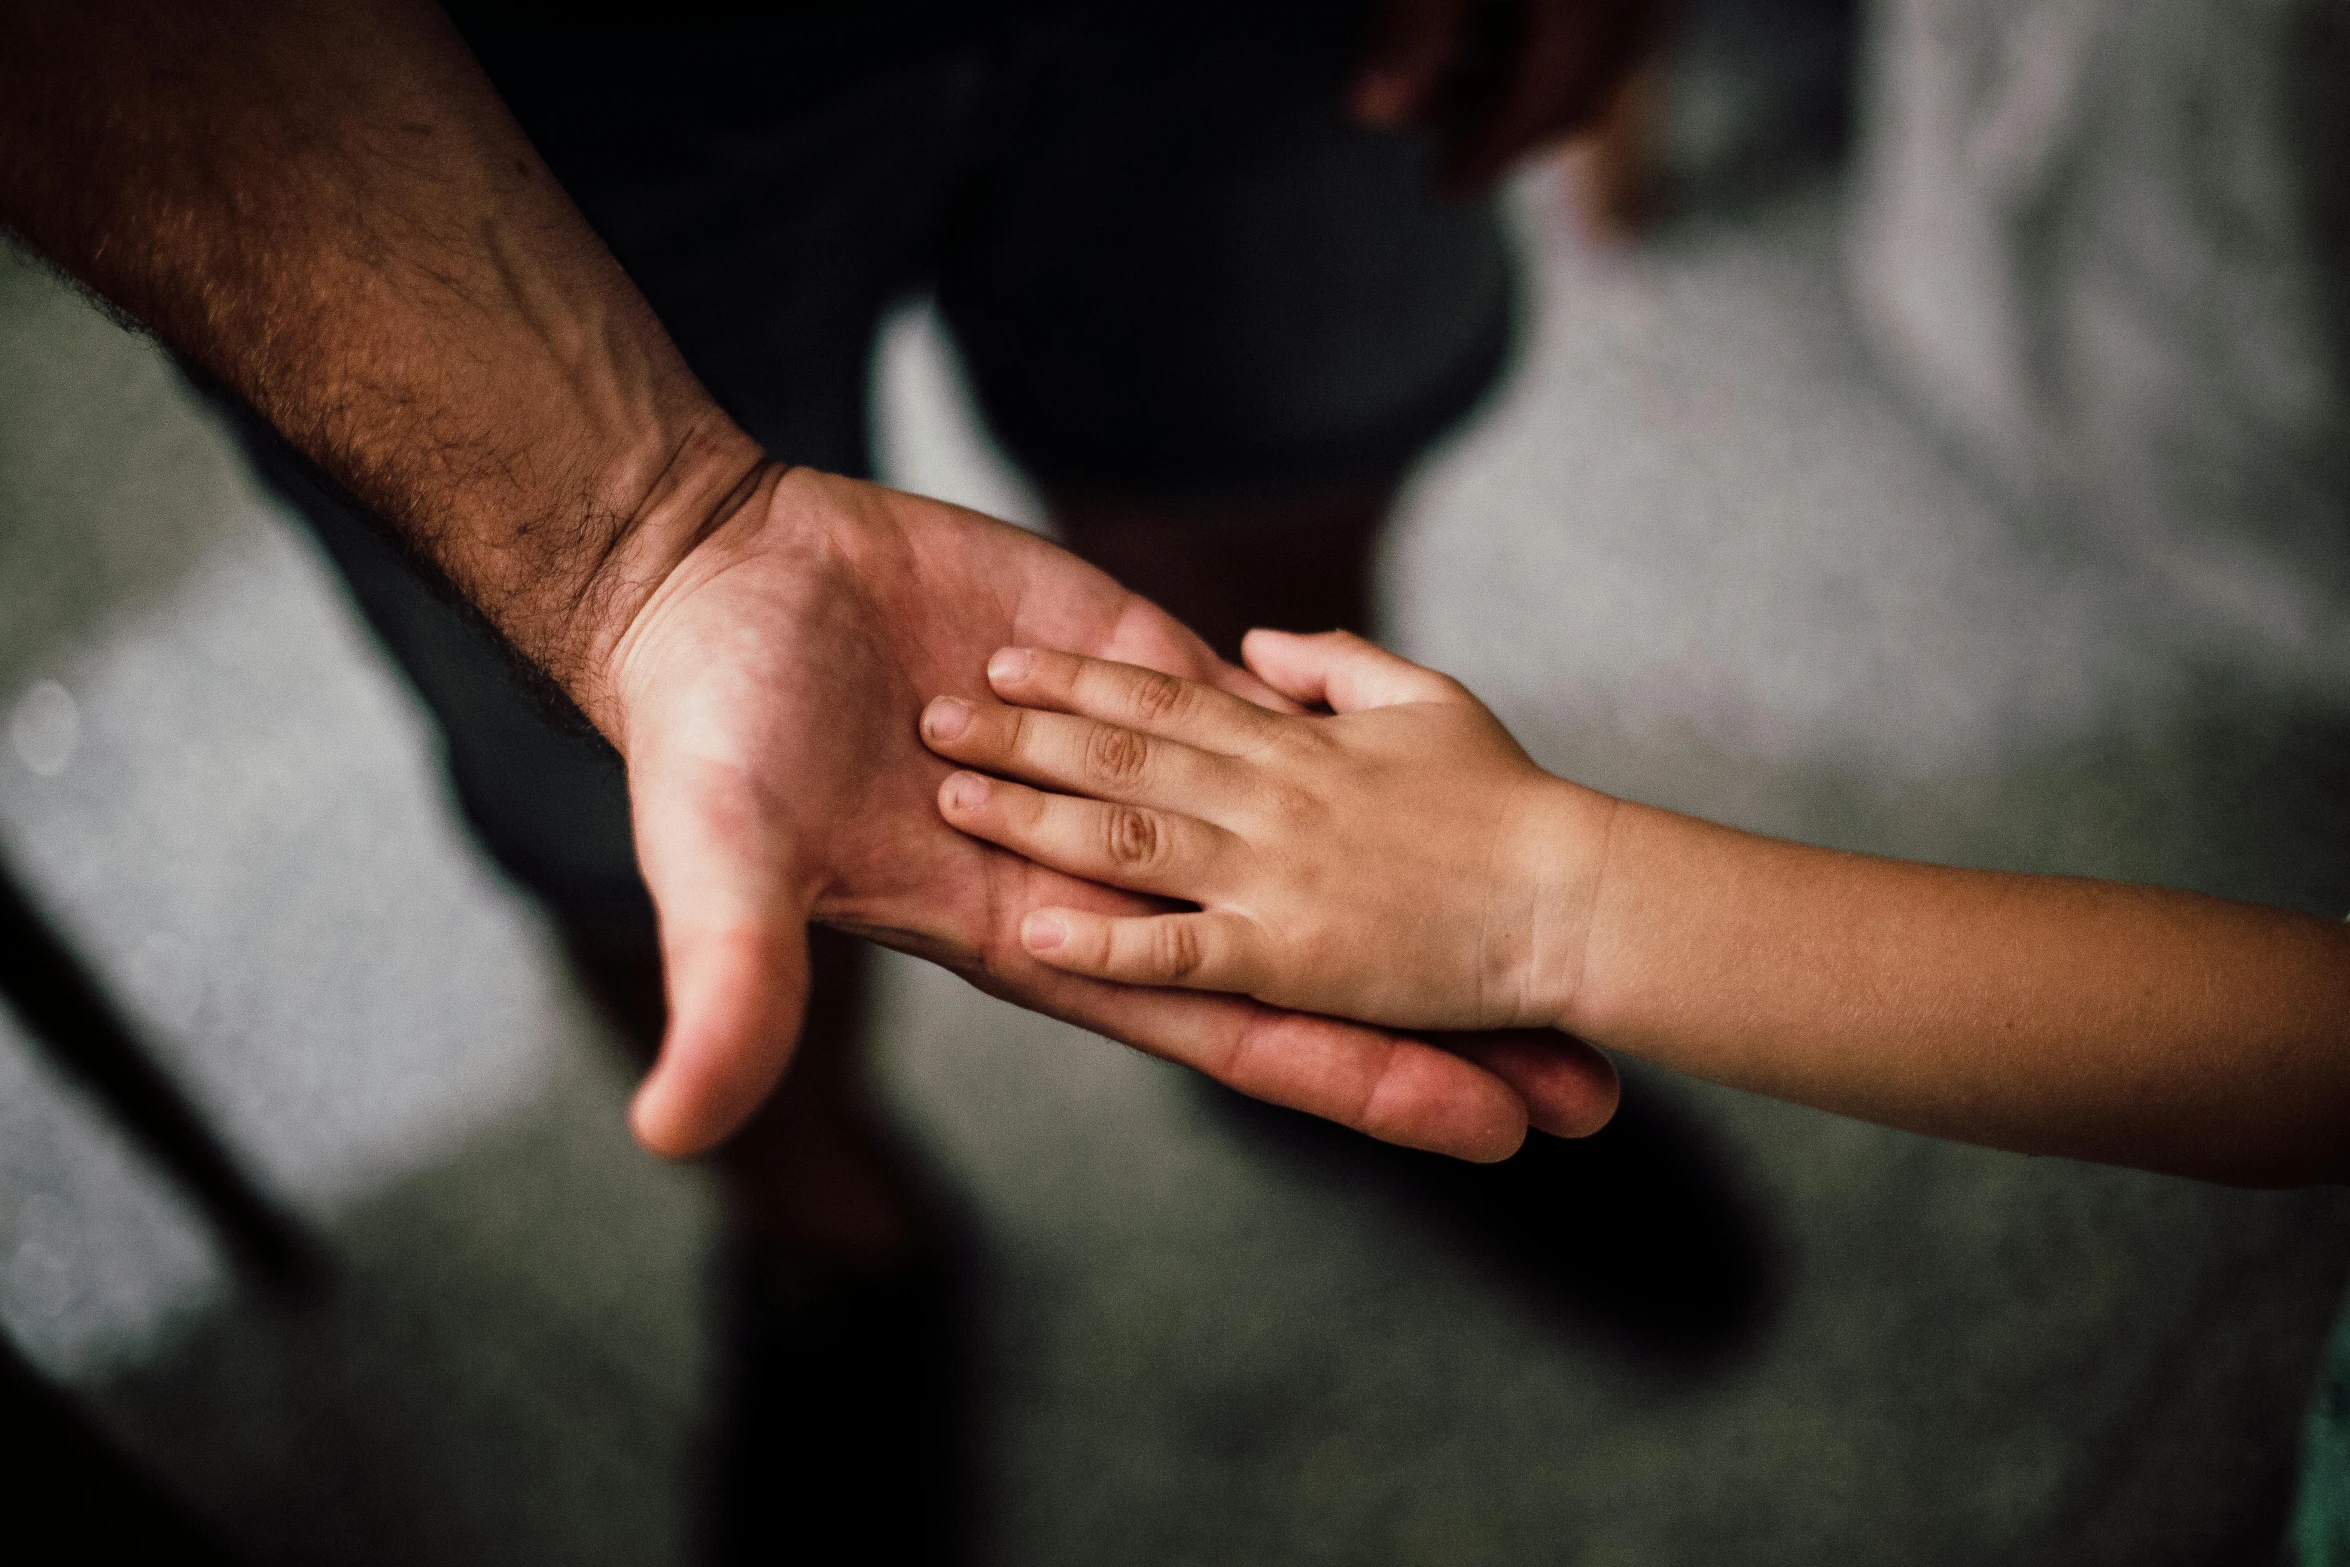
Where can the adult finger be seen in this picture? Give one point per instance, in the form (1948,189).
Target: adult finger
(1398,1090)
(1569,1086)
(1129,696)
(734,955)
(1343,672)
(1079,755)
(1409,48)
(1128,846)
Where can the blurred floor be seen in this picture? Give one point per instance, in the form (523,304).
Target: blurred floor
(1694,552)
(229,803)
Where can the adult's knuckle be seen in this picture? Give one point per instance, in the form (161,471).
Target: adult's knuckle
(1116,757)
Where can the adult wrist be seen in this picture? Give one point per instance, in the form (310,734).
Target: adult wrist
(667,499)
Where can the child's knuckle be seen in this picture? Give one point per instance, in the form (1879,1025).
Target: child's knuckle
(1136,838)
(1177,952)
(1155,697)
(1288,807)
(1299,743)
(1115,757)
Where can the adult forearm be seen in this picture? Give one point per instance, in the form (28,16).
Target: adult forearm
(2043,1014)
(328,209)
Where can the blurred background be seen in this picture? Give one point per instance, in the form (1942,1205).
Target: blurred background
(1927,436)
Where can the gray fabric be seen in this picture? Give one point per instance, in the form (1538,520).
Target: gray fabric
(2100,243)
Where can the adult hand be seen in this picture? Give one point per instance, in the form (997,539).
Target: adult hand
(328,209)
(1495,79)
(767,697)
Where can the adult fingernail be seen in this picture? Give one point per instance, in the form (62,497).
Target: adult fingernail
(948,717)
(966,790)
(1044,932)
(1010,664)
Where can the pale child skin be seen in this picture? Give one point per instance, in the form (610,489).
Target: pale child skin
(1392,855)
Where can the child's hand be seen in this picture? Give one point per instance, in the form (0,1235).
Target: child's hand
(1400,861)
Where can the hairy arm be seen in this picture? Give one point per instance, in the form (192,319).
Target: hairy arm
(329,210)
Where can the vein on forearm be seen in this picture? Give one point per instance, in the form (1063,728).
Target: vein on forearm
(328,210)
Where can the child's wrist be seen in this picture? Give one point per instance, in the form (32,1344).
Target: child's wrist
(1565,853)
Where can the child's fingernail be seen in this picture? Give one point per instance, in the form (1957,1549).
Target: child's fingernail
(948,717)
(1044,932)
(966,790)
(1010,664)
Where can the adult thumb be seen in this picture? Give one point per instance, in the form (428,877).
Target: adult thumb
(734,958)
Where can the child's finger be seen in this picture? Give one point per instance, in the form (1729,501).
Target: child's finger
(1128,846)
(1342,671)
(1207,951)
(1078,755)
(1129,696)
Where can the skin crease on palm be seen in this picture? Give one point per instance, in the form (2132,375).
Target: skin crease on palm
(900,598)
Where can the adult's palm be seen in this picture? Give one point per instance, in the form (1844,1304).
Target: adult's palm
(768,695)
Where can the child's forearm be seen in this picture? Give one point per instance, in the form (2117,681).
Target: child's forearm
(2043,1014)
(1403,861)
